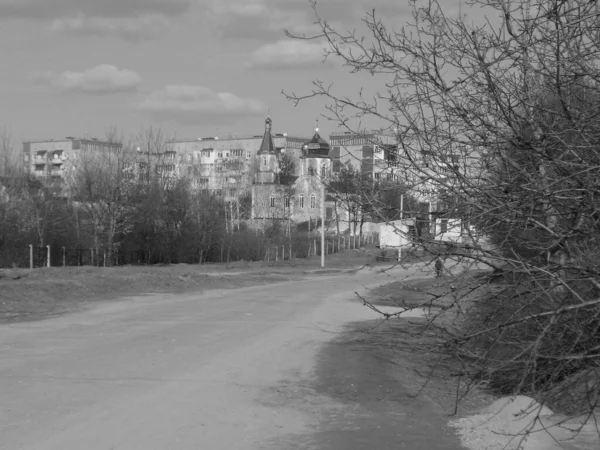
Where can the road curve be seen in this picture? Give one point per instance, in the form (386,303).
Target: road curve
(181,372)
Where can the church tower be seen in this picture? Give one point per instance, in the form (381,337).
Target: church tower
(315,158)
(268,166)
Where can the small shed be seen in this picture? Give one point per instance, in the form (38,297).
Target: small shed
(396,233)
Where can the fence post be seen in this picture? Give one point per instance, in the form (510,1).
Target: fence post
(48,256)
(64,257)
(276,255)
(315,246)
(290,252)
(92,253)
(30,256)
(104,256)
(283,252)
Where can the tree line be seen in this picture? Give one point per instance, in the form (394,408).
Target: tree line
(116,205)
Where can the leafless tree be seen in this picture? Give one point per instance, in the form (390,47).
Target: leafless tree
(498,123)
(9,155)
(100,185)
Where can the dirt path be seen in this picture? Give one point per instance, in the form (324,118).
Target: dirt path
(232,369)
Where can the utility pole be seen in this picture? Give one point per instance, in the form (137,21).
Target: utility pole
(323,226)
(401,206)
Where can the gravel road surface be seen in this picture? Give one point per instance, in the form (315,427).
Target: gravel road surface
(230,369)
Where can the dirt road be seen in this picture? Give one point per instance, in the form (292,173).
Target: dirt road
(248,368)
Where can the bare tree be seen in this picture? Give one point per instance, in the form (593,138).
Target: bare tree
(502,117)
(100,184)
(9,155)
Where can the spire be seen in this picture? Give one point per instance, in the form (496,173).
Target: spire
(267,146)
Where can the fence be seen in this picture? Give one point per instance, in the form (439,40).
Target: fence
(258,250)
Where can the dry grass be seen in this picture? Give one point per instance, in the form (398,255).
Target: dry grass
(42,293)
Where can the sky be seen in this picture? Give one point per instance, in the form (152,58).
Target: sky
(194,68)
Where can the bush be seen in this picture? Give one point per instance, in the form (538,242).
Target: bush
(530,338)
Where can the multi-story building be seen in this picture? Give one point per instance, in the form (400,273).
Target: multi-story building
(53,160)
(226,167)
(372,152)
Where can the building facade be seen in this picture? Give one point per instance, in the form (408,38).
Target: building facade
(225,167)
(54,160)
(372,152)
(293,196)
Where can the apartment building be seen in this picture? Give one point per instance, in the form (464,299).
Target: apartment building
(53,160)
(372,152)
(225,167)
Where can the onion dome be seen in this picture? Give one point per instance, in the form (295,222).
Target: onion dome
(317,147)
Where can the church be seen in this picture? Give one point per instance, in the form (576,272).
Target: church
(289,186)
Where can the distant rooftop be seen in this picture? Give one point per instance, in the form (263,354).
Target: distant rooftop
(237,138)
(365,133)
(71,138)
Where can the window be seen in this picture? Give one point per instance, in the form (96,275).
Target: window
(264,160)
(378,176)
(329,213)
(301,201)
(170,155)
(337,165)
(323,171)
(272,201)
(313,201)
(286,202)
(220,155)
(444,226)
(248,155)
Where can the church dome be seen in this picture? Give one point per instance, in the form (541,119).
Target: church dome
(317,147)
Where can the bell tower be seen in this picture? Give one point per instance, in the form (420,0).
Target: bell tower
(315,158)
(268,166)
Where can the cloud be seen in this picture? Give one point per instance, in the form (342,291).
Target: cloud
(288,54)
(186,103)
(102,79)
(56,9)
(126,19)
(129,28)
(259,19)
(267,19)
